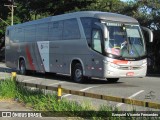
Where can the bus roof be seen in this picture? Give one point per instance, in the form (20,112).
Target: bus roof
(95,14)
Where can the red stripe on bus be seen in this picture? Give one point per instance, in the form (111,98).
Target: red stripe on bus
(120,62)
(29,58)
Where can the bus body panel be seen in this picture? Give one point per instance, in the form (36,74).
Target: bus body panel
(43,54)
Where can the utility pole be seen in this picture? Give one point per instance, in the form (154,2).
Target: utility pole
(11,7)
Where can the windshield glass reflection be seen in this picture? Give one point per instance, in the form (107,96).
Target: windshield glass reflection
(125,41)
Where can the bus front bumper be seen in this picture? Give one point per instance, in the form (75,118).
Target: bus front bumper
(127,71)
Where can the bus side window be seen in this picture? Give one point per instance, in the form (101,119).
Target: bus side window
(71,29)
(87,23)
(55,30)
(96,40)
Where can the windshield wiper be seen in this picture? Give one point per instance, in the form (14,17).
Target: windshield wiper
(128,44)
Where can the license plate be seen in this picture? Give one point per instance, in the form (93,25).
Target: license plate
(130,74)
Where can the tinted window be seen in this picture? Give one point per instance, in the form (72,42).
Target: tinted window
(55,30)
(42,32)
(71,29)
(12,34)
(96,36)
(30,32)
(19,34)
(87,26)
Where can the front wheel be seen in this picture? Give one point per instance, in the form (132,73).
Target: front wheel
(112,80)
(77,74)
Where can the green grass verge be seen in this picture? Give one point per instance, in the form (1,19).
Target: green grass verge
(7,89)
(37,100)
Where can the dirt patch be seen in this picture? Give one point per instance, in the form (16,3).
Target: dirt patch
(11,105)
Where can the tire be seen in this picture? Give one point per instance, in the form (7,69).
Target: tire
(112,80)
(77,73)
(22,68)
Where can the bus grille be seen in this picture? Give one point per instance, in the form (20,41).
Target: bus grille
(129,67)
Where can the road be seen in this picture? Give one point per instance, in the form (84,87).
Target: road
(146,89)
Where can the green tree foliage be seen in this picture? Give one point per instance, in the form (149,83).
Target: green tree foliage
(151,18)
(27,10)
(106,5)
(147,12)
(3,17)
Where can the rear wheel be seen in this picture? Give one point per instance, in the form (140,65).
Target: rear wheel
(77,74)
(112,80)
(22,68)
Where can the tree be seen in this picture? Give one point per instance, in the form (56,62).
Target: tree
(105,5)
(3,17)
(147,12)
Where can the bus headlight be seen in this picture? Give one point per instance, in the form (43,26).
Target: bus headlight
(111,64)
(144,64)
(114,65)
(144,61)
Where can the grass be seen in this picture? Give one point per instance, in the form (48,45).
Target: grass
(7,89)
(38,101)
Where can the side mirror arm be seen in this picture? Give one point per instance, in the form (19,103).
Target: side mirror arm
(104,28)
(149,32)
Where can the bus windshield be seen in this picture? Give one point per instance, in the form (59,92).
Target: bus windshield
(125,41)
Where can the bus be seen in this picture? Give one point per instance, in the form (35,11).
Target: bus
(82,44)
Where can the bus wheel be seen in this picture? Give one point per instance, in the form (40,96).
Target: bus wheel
(112,80)
(22,67)
(77,75)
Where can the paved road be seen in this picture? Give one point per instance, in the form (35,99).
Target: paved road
(147,88)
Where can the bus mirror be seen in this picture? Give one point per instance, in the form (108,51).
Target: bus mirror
(104,29)
(150,33)
(105,32)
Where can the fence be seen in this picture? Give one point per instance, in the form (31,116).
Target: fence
(61,90)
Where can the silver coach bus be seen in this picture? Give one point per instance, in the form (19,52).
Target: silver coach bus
(81,44)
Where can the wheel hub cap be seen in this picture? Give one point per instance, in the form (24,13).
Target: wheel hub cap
(78,73)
